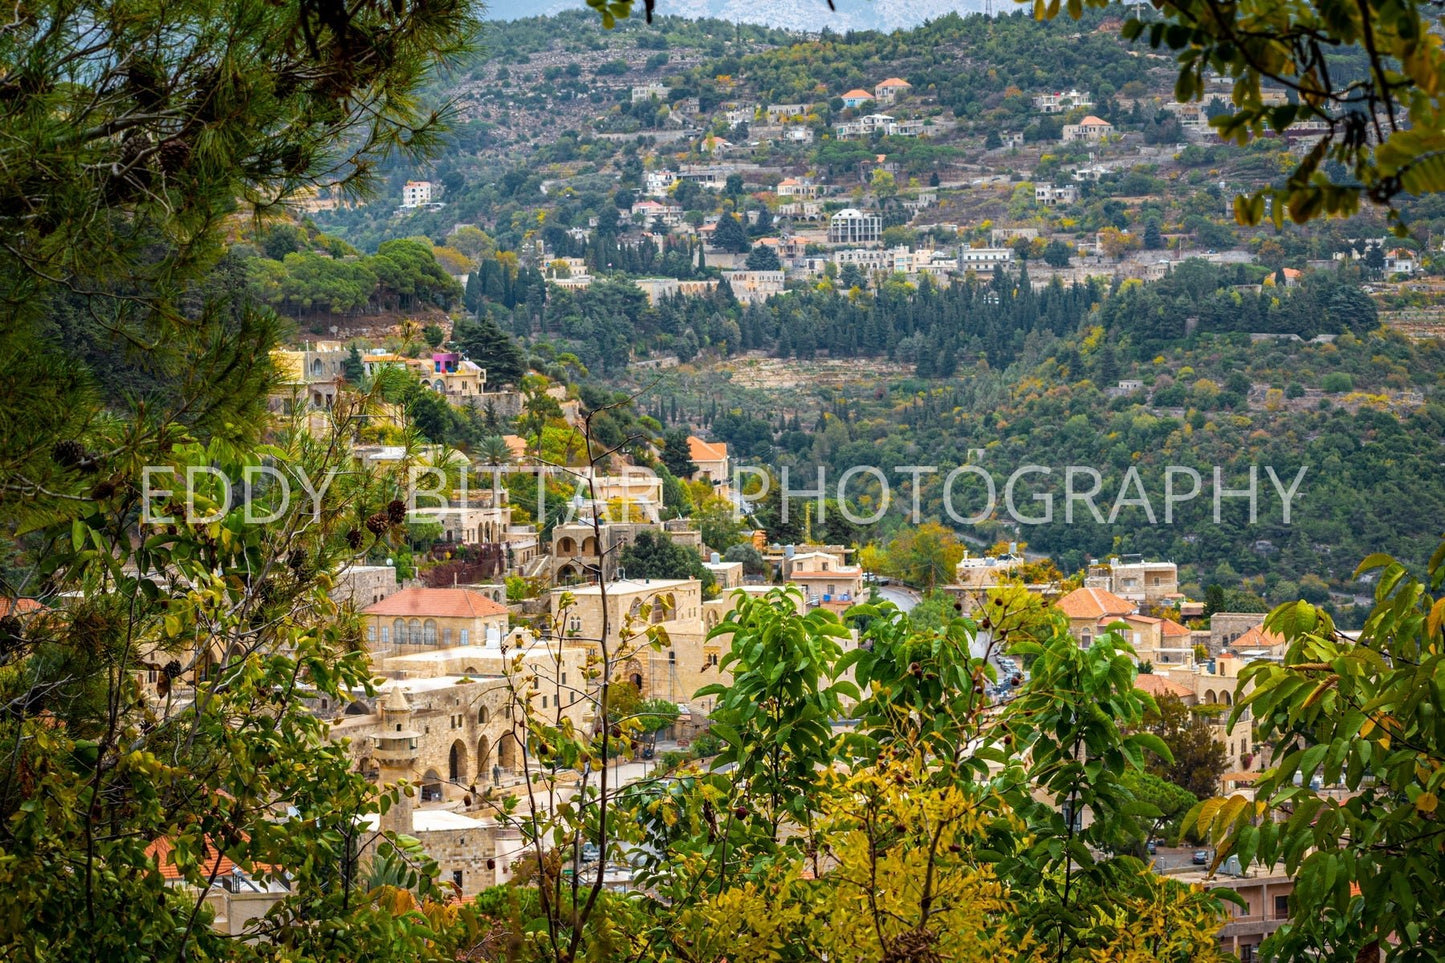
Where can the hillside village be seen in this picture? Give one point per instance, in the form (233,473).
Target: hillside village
(564,369)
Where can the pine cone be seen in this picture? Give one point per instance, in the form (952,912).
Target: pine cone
(353,539)
(172,669)
(378,523)
(102,491)
(295,559)
(68,453)
(396,511)
(174,154)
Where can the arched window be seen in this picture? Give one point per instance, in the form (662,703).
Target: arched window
(398,629)
(413,632)
(385,635)
(483,715)
(430,632)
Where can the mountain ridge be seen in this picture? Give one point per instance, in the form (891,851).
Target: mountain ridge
(801,15)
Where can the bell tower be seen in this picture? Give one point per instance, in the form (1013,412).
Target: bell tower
(395,754)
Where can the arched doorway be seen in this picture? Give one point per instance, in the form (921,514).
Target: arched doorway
(457,762)
(431,786)
(507,753)
(484,758)
(370,769)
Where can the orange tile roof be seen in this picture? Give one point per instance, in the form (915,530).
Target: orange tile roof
(1092,121)
(700,450)
(447,603)
(1257,638)
(856,94)
(1173,628)
(1157,685)
(18,606)
(895,82)
(1143,619)
(1093,603)
(517,444)
(161,849)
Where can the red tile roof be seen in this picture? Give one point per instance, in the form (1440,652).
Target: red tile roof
(18,606)
(1174,629)
(1157,685)
(447,603)
(1257,638)
(1092,121)
(856,94)
(700,450)
(1093,603)
(161,850)
(895,82)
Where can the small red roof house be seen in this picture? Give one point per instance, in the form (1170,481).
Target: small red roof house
(1090,610)
(1173,630)
(1158,686)
(456,603)
(1094,604)
(433,617)
(855,97)
(711,458)
(1258,639)
(891,89)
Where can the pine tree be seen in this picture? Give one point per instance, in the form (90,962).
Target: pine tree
(677,453)
(486,344)
(730,235)
(352,367)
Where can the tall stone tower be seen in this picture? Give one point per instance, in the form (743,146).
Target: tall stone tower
(395,754)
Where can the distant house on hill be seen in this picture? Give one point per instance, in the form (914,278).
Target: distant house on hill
(891,90)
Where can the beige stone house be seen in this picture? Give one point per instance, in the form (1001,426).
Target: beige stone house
(419,619)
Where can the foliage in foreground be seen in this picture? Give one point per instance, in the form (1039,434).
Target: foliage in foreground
(1367,850)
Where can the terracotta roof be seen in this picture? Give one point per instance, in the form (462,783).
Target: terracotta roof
(1257,638)
(517,444)
(895,82)
(700,450)
(857,95)
(450,603)
(1157,685)
(162,848)
(18,606)
(1092,603)
(787,181)
(1144,619)
(1092,121)
(1173,628)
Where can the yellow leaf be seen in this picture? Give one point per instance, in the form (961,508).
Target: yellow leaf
(1426,802)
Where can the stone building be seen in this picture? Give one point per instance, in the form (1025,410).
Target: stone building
(424,619)
(363,585)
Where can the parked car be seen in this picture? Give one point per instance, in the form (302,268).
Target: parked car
(1152,846)
(1201,857)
